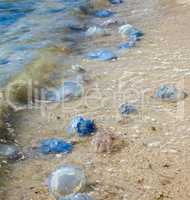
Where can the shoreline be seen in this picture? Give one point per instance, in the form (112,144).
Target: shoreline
(41,72)
(135,169)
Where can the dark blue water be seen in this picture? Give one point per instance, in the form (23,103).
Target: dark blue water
(28,25)
(11,11)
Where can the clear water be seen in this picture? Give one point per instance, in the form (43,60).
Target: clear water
(28,25)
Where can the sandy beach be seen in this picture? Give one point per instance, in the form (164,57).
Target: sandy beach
(150,157)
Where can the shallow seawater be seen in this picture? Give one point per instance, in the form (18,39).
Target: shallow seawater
(29,25)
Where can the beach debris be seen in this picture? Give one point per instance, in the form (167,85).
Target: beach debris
(130,31)
(103,13)
(78,196)
(68,91)
(101,55)
(126,109)
(169,93)
(78,68)
(76,27)
(162,196)
(116,1)
(81,126)
(152,142)
(109,22)
(96,31)
(10,152)
(103,142)
(55,146)
(66,180)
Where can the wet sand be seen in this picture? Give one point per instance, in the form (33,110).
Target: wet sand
(151,157)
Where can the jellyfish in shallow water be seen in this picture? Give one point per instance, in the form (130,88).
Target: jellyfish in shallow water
(68,91)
